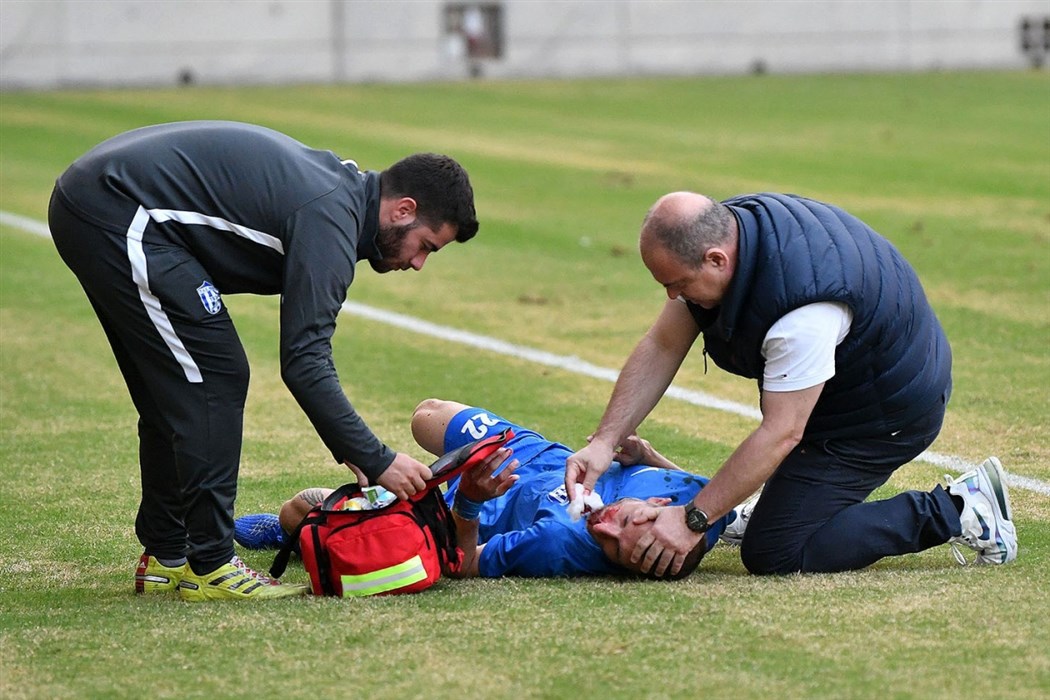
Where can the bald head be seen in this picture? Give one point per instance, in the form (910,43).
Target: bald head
(686,224)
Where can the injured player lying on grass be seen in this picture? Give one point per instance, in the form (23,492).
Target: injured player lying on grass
(513,516)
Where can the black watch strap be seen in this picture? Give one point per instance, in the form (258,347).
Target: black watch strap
(696,519)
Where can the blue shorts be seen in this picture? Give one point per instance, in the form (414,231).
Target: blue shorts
(474,423)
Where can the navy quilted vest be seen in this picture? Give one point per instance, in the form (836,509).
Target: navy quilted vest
(895,363)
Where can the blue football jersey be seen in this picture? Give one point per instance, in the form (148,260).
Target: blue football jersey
(527,531)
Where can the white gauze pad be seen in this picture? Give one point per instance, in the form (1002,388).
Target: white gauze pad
(580,503)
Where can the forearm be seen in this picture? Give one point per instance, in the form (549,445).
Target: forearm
(478,485)
(315,289)
(642,382)
(647,373)
(750,465)
(317,390)
(467,536)
(783,424)
(654,459)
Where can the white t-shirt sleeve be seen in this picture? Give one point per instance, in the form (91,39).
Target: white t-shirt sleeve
(800,347)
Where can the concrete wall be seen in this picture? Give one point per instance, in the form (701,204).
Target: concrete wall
(55,43)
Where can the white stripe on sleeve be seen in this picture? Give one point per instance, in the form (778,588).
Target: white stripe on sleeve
(192,217)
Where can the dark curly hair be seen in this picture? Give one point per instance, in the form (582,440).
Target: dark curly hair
(440,187)
(692,561)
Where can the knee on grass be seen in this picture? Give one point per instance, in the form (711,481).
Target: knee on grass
(768,562)
(295,508)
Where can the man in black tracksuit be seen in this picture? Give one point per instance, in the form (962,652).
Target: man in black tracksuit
(160,222)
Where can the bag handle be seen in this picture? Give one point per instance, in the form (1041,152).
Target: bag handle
(349,490)
(280,562)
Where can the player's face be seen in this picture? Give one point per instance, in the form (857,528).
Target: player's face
(406,246)
(613,529)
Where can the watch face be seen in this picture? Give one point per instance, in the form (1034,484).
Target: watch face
(695,519)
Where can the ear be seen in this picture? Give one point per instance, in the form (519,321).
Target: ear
(609,529)
(404,208)
(717,258)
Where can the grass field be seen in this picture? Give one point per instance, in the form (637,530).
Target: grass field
(954,168)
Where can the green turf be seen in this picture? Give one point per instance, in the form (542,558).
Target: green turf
(954,168)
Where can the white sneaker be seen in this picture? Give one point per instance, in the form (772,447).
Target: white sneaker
(986,525)
(734,532)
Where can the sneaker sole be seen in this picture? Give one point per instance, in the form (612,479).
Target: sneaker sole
(194,593)
(147,584)
(1005,531)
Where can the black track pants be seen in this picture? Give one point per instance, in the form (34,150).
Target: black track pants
(186,372)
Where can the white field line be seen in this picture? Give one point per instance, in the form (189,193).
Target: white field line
(578,366)
(25,223)
(568,363)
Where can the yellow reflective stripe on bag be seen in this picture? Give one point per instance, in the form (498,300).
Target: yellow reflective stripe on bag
(383,580)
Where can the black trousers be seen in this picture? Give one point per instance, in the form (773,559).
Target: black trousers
(186,372)
(813,516)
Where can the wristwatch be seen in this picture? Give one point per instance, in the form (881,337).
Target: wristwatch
(695,519)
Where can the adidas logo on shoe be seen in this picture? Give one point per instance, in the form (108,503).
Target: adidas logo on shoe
(234,580)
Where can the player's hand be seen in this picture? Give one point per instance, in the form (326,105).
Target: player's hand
(665,546)
(634,450)
(405,477)
(481,483)
(585,466)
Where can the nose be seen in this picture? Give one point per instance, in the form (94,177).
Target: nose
(418,261)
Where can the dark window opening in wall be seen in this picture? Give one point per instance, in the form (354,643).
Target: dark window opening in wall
(478,25)
(1034,35)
